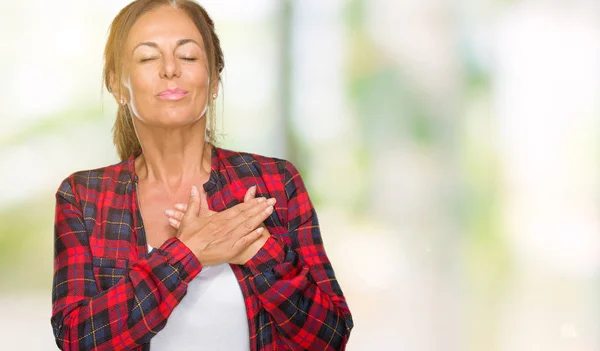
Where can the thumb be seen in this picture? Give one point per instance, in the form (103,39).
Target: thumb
(250,194)
(193,204)
(204,210)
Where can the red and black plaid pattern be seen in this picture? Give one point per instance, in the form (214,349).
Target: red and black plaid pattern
(109,293)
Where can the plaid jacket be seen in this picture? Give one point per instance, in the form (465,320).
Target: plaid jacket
(109,293)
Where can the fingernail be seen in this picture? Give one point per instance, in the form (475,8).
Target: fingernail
(269,209)
(253,190)
(271,201)
(259,230)
(173,221)
(194,190)
(260,199)
(170,213)
(180,207)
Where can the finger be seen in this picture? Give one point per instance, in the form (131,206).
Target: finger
(178,215)
(205,211)
(193,204)
(250,194)
(174,223)
(246,210)
(248,239)
(183,208)
(203,200)
(240,208)
(249,220)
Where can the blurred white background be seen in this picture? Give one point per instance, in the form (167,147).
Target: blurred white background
(451,149)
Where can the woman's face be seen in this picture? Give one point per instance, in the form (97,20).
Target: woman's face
(166,69)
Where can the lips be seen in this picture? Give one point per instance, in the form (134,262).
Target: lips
(172,94)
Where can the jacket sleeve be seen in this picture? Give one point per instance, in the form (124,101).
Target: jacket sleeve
(297,285)
(129,313)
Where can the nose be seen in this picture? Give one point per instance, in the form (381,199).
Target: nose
(170,67)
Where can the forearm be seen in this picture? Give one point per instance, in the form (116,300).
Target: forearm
(306,317)
(129,313)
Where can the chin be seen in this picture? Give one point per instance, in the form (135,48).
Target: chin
(179,118)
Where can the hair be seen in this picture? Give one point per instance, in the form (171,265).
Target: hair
(124,136)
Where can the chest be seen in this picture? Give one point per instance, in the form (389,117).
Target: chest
(152,205)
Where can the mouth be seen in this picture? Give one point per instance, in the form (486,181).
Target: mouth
(172,94)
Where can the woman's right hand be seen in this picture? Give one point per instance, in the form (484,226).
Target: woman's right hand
(218,237)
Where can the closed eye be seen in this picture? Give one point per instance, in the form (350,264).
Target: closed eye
(189,58)
(146,59)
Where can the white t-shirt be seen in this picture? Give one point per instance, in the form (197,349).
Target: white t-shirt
(211,316)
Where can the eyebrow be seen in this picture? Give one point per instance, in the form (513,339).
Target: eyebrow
(153,44)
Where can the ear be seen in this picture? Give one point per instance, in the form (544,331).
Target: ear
(214,86)
(123,98)
(119,91)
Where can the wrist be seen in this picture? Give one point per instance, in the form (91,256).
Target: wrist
(268,256)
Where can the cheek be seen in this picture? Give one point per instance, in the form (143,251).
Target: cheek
(200,77)
(141,92)
(141,84)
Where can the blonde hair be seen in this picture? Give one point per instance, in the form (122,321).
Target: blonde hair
(124,136)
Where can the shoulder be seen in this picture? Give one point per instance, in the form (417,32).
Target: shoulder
(114,177)
(243,163)
(277,174)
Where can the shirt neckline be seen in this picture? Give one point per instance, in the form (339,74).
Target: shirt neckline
(214,168)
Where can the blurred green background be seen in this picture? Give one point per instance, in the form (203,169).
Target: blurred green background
(451,149)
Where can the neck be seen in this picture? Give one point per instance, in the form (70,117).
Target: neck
(174,157)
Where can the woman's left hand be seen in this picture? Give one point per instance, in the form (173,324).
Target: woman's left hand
(176,215)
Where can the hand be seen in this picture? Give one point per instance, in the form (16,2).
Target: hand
(246,254)
(220,237)
(253,248)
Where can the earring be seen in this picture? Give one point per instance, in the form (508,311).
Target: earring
(214,96)
(122,102)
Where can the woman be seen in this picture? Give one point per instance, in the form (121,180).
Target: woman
(184,245)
